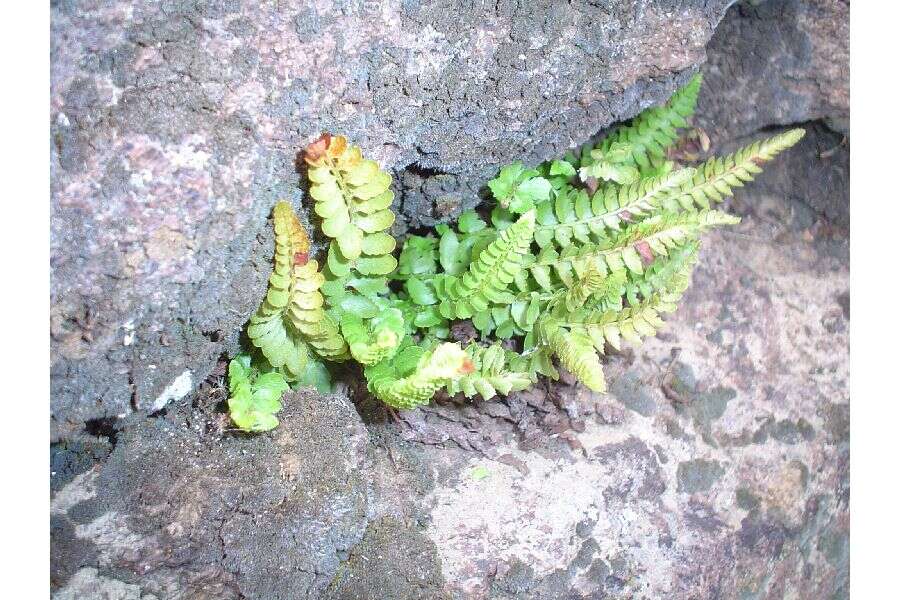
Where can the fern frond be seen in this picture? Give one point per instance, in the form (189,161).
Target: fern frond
(627,250)
(488,277)
(268,330)
(353,197)
(414,375)
(291,316)
(592,282)
(715,179)
(631,323)
(254,397)
(654,130)
(309,318)
(667,273)
(573,216)
(490,374)
(372,342)
(576,353)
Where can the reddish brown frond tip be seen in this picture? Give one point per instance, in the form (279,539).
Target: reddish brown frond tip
(467,367)
(316,150)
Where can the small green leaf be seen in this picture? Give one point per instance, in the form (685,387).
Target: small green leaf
(378,221)
(470,222)
(376,244)
(337,263)
(376,265)
(562,167)
(367,286)
(503,185)
(351,242)
(419,292)
(360,306)
(317,376)
(447,250)
(482,320)
(428,317)
(528,193)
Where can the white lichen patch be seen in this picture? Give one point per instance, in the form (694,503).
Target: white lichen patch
(510,517)
(112,536)
(176,390)
(88,584)
(82,487)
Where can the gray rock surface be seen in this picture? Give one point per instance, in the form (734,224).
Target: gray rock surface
(777,62)
(184,510)
(175,124)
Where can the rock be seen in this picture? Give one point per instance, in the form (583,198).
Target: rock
(392,561)
(632,392)
(775,63)
(814,177)
(174,129)
(87,584)
(175,511)
(698,475)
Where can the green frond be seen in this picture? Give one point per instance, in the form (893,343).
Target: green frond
(490,375)
(629,248)
(654,130)
(305,312)
(631,323)
(413,376)
(667,273)
(353,197)
(576,353)
(269,330)
(574,217)
(254,398)
(592,282)
(372,342)
(716,179)
(488,277)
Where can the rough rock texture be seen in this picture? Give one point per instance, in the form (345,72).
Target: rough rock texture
(393,560)
(778,62)
(182,510)
(174,127)
(717,467)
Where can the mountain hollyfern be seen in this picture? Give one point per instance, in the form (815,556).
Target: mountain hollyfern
(577,255)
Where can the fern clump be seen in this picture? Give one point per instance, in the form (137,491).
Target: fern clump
(577,255)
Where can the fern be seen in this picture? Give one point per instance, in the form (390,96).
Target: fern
(306,314)
(353,197)
(575,352)
(578,255)
(625,251)
(656,129)
(416,374)
(715,180)
(269,330)
(488,277)
(575,216)
(254,398)
(373,342)
(490,374)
